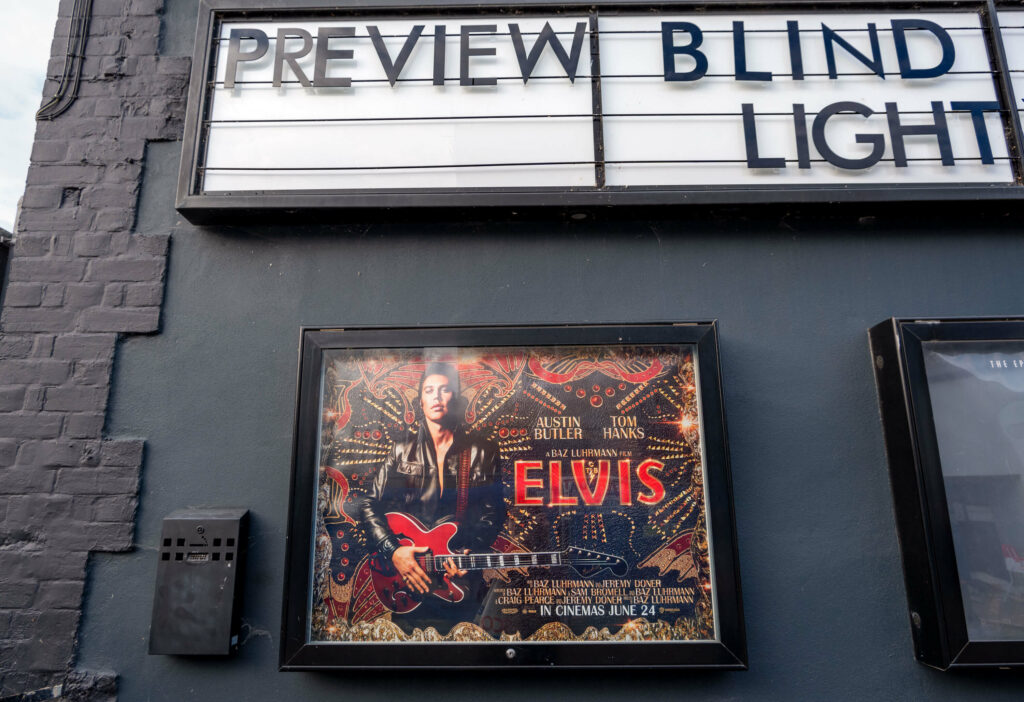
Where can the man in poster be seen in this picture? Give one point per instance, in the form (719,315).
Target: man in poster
(435,475)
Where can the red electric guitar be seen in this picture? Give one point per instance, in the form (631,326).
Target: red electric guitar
(399,597)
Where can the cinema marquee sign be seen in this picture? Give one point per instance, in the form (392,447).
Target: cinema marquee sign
(455,105)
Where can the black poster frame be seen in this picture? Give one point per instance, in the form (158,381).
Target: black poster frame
(936,606)
(728,652)
(199,207)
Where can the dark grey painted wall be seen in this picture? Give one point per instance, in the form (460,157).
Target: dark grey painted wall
(80,276)
(213,394)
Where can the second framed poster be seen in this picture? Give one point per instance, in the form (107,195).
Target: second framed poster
(509,496)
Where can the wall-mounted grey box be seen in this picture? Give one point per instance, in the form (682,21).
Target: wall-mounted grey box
(197,604)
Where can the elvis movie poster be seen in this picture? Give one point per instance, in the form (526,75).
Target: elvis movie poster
(510,494)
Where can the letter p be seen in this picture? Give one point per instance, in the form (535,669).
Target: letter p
(236,55)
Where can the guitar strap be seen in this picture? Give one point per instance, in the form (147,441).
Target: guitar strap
(462,487)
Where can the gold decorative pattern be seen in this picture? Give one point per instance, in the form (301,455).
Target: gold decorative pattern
(386,631)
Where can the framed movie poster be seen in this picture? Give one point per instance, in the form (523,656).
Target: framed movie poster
(952,398)
(511,496)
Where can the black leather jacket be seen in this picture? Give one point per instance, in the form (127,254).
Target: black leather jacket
(407,482)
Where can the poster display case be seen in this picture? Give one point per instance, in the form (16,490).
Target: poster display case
(952,402)
(511,496)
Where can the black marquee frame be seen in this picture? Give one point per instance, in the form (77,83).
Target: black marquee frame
(936,606)
(201,208)
(728,652)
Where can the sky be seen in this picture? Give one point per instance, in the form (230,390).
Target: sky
(26,31)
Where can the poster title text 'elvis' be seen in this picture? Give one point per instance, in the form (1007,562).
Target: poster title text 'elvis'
(683,61)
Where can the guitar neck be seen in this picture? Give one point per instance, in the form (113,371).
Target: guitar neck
(491,561)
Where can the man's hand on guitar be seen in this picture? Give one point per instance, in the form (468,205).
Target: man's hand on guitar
(451,570)
(404,560)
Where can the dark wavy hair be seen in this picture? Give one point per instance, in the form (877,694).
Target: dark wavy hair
(449,371)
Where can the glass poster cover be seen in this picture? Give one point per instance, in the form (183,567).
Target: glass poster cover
(977,400)
(550,497)
(584,518)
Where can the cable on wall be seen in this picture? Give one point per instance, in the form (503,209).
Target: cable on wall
(78,36)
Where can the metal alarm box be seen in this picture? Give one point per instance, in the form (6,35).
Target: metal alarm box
(197,604)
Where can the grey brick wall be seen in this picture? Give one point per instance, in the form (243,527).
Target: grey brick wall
(79,276)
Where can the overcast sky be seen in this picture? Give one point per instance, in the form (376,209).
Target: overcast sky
(26,30)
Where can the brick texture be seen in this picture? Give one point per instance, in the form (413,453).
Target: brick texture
(80,276)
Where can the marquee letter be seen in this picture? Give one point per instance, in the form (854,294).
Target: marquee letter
(739,52)
(803,154)
(818,134)
(393,70)
(978,110)
(669,51)
(236,55)
(570,62)
(324,54)
(466,52)
(796,57)
(750,137)
(897,131)
(874,63)
(281,56)
(439,39)
(899,37)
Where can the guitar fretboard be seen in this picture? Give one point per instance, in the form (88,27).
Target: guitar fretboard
(487,561)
